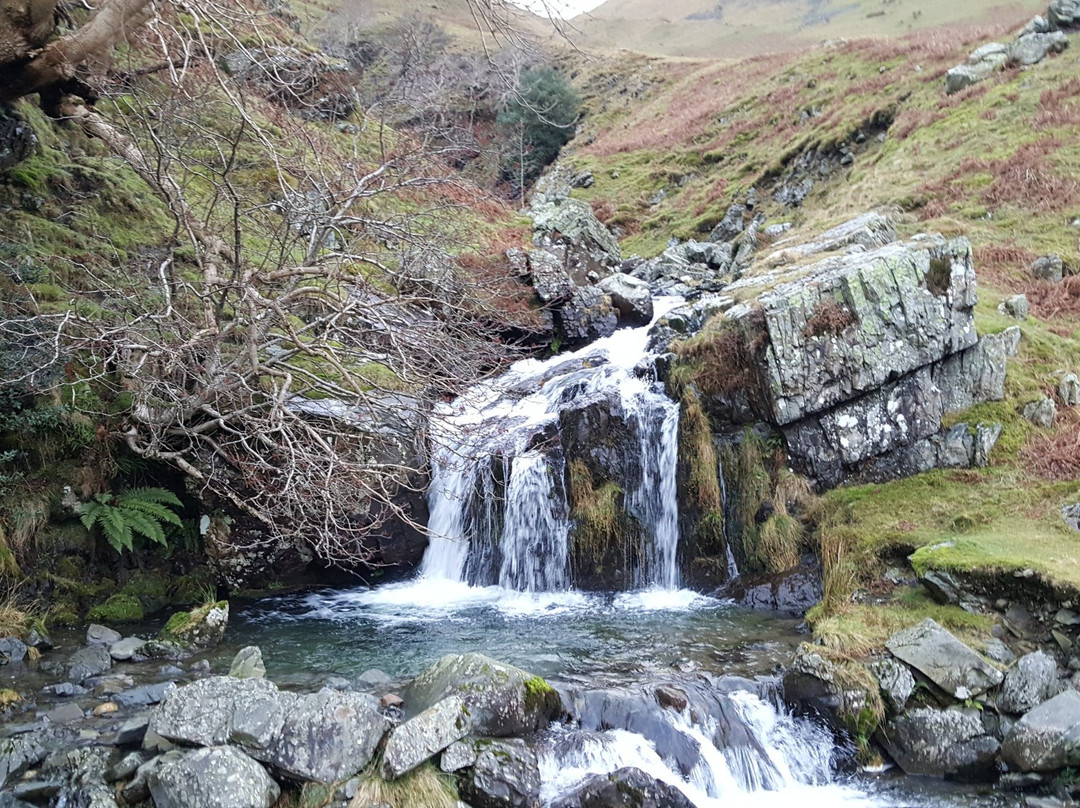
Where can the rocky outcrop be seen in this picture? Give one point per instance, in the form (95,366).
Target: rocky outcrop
(572,222)
(1030,682)
(1064,13)
(498,700)
(941,743)
(630,297)
(425,735)
(1035,42)
(944,660)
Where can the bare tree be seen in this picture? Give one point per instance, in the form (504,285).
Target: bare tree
(289,342)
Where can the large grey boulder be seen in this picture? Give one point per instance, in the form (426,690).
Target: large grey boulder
(940,743)
(981,64)
(1036,25)
(502,700)
(215,777)
(97,634)
(944,660)
(1029,683)
(548,276)
(815,684)
(1064,13)
(908,305)
(733,223)
(1033,48)
(624,788)
(505,774)
(87,662)
(326,736)
(631,297)
(126,648)
(424,735)
(19,753)
(1047,738)
(323,736)
(587,316)
(574,221)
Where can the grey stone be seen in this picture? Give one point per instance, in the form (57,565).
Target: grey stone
(631,297)
(1012,336)
(730,226)
(145,695)
(426,734)
(942,586)
(813,683)
(126,649)
(125,767)
(1016,306)
(373,678)
(1029,683)
(502,699)
(1064,13)
(574,220)
(1046,738)
(12,649)
(505,775)
(216,777)
(896,683)
(944,660)
(1042,412)
(457,756)
(204,627)
(1071,515)
(940,743)
(1069,390)
(101,635)
(1037,25)
(549,277)
(202,713)
(1031,49)
(20,753)
(87,662)
(1048,268)
(587,316)
(132,731)
(986,438)
(963,76)
(624,787)
(68,713)
(248,664)
(999,652)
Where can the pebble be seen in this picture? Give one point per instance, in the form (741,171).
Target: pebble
(106,708)
(65,714)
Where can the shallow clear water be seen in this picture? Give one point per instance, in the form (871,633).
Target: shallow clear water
(402,628)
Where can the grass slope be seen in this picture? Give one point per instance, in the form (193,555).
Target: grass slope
(672,143)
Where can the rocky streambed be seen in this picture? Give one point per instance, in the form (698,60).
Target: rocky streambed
(733,711)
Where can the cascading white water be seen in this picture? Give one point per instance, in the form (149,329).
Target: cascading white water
(787,761)
(498,508)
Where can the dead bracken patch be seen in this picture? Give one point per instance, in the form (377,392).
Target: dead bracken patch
(829,318)
(1056,456)
(1049,300)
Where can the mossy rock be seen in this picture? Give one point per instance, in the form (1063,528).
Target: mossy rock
(71,567)
(150,589)
(202,627)
(63,618)
(191,587)
(118,608)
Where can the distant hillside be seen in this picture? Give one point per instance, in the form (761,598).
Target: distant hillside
(741,28)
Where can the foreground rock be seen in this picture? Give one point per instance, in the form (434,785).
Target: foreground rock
(1029,683)
(624,788)
(941,743)
(423,736)
(1047,738)
(202,627)
(501,700)
(325,736)
(216,777)
(505,774)
(944,660)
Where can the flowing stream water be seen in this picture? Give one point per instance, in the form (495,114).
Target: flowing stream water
(496,578)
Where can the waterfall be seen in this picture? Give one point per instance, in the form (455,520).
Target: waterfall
(740,750)
(499,511)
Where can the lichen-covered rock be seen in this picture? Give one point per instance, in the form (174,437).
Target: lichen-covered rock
(20,753)
(202,627)
(587,316)
(818,685)
(1042,412)
(981,64)
(17,139)
(1016,306)
(631,297)
(1064,13)
(548,276)
(944,660)
(426,734)
(505,774)
(870,231)
(941,743)
(503,700)
(1048,268)
(574,221)
(1032,48)
(1069,390)
(323,736)
(216,777)
(1030,682)
(1047,738)
(908,305)
(624,788)
(896,683)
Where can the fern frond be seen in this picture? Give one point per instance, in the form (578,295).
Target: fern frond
(116,529)
(145,525)
(160,495)
(151,509)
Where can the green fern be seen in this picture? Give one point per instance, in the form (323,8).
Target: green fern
(137,511)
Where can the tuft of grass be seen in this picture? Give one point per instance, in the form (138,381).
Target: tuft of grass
(424,786)
(696,450)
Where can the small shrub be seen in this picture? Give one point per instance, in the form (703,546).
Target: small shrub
(727,355)
(829,319)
